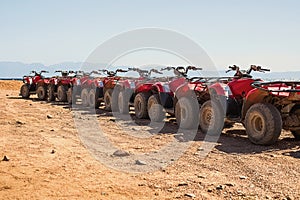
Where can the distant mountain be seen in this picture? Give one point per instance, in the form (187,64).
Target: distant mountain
(18,69)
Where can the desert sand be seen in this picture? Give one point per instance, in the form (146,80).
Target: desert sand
(47,159)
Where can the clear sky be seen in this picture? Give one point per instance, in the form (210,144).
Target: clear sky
(265,32)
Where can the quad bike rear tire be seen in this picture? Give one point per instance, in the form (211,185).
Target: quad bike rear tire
(115,99)
(296,134)
(62,93)
(70,96)
(24,91)
(263,124)
(93,98)
(155,109)
(296,111)
(84,97)
(211,117)
(108,99)
(140,105)
(123,101)
(50,93)
(41,93)
(186,113)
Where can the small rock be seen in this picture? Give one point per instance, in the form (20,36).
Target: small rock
(134,129)
(30,104)
(52,130)
(209,190)
(201,176)
(180,139)
(20,122)
(141,184)
(268,197)
(200,149)
(288,198)
(5,158)
(112,120)
(243,177)
(7,95)
(190,195)
(103,193)
(229,184)
(121,153)
(220,187)
(53,151)
(183,184)
(49,116)
(140,162)
(172,159)
(170,190)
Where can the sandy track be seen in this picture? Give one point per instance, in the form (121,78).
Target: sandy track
(48,160)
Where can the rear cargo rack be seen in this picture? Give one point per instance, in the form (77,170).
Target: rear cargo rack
(279,86)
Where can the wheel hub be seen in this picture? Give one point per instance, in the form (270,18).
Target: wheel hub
(258,124)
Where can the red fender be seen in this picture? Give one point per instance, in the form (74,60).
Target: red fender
(253,97)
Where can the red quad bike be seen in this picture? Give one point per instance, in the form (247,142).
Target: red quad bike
(271,107)
(159,92)
(35,84)
(264,108)
(100,89)
(95,95)
(127,88)
(75,90)
(59,85)
(171,97)
(82,86)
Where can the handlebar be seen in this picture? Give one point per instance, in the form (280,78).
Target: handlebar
(193,68)
(38,73)
(95,72)
(259,68)
(233,68)
(121,70)
(246,73)
(167,68)
(137,70)
(155,71)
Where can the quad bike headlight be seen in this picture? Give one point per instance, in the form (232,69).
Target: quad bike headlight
(100,84)
(227,90)
(166,88)
(132,85)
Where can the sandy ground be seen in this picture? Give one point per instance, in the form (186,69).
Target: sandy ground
(49,159)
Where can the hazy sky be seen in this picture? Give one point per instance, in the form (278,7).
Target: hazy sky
(265,32)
